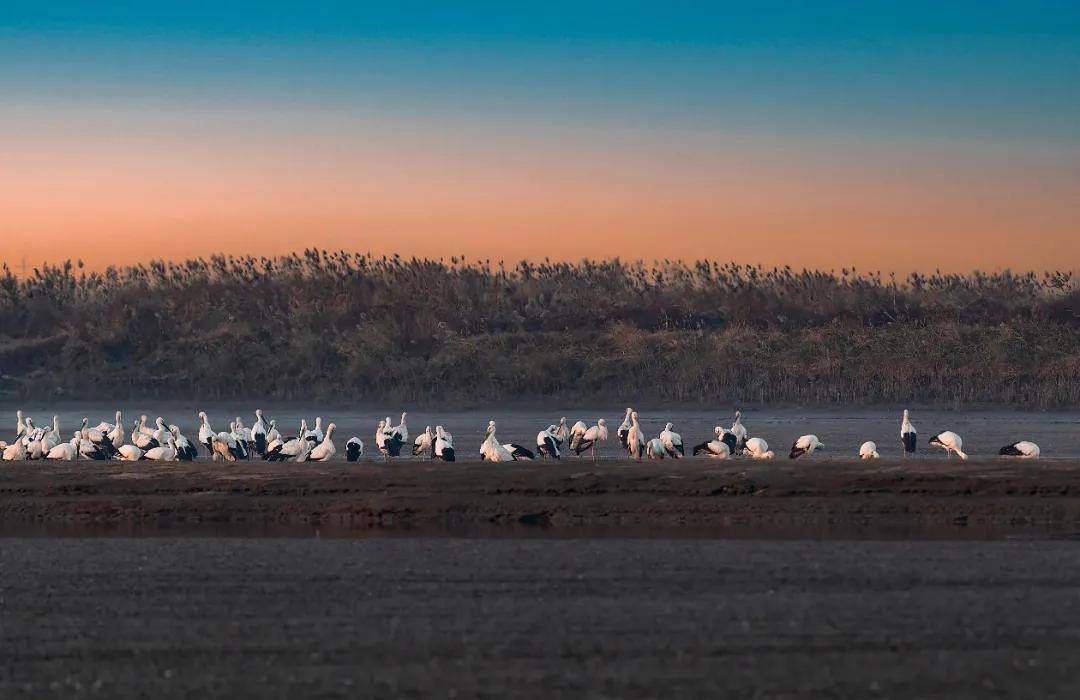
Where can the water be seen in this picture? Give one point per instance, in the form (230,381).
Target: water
(842,430)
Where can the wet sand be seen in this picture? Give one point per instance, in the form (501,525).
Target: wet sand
(692,498)
(226,617)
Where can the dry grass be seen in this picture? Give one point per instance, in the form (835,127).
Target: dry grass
(325,324)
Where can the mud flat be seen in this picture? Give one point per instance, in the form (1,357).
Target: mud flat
(498,618)
(808,498)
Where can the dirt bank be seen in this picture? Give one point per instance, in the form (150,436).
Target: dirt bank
(692,496)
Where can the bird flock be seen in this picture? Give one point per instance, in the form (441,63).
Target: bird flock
(164,442)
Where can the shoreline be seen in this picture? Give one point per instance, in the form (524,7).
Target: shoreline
(739,499)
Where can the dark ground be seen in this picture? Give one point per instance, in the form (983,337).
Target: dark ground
(162,617)
(534,604)
(689,498)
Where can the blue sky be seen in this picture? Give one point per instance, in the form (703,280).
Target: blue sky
(686,94)
(1008,70)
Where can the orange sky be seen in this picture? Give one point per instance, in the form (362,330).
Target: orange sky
(116,194)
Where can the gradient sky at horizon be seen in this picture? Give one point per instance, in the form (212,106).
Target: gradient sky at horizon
(829,134)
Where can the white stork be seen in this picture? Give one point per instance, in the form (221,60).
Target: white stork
(908,437)
(757,448)
(322,452)
(547,442)
(672,442)
(354,448)
(444,445)
(805,445)
(950,442)
(595,434)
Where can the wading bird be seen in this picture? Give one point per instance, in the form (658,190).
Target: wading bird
(185,451)
(206,433)
(164,453)
(805,445)
(492,450)
(721,448)
(226,446)
(354,449)
(624,429)
(547,442)
(287,448)
(595,434)
(390,439)
(672,442)
(444,445)
(322,452)
(1025,449)
(757,448)
(424,443)
(908,437)
(258,433)
(577,432)
(130,453)
(101,443)
(142,440)
(65,451)
(635,439)
(950,442)
(739,431)
(868,450)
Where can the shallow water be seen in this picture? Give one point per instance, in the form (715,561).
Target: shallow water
(842,430)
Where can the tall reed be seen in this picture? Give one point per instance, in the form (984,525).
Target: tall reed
(323,324)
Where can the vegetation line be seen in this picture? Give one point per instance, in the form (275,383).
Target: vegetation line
(353,327)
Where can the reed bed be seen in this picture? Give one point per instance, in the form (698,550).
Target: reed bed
(337,325)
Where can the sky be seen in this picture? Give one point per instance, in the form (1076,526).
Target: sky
(880,135)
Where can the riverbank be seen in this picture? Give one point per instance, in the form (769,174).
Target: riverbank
(815,498)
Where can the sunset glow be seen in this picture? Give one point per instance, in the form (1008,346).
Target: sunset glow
(877,141)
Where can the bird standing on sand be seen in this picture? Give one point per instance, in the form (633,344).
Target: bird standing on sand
(130,453)
(424,443)
(720,448)
(547,442)
(739,431)
(672,442)
(1025,449)
(805,445)
(635,439)
(390,439)
(65,451)
(163,453)
(624,429)
(444,445)
(491,450)
(950,442)
(258,433)
(322,452)
(185,451)
(654,449)
(226,446)
(561,432)
(354,448)
(908,435)
(595,434)
(206,433)
(577,432)
(757,448)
